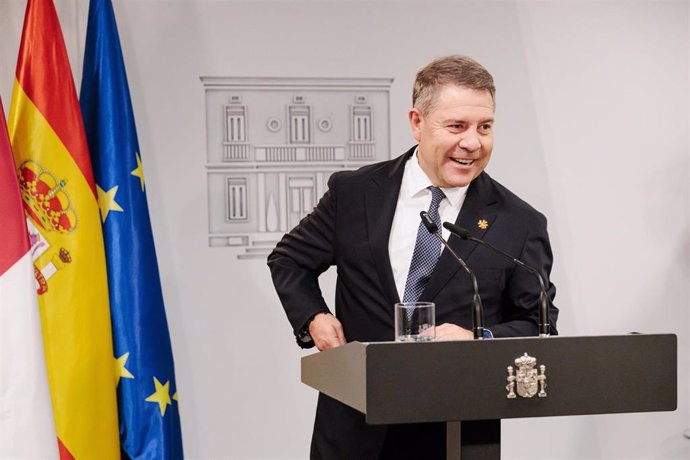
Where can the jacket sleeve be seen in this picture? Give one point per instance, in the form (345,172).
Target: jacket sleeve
(300,257)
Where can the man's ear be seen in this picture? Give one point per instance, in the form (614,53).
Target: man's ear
(415,123)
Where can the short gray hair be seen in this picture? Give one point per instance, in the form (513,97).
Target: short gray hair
(455,69)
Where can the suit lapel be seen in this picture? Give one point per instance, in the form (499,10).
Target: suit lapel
(475,210)
(381,198)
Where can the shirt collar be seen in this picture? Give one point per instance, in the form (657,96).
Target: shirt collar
(418,182)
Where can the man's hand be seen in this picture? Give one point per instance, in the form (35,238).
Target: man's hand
(449,331)
(326,331)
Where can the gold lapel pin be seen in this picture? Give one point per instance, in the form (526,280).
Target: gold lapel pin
(483,224)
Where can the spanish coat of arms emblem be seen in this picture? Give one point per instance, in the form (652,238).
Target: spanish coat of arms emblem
(528,380)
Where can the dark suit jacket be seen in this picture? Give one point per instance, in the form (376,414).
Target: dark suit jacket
(350,227)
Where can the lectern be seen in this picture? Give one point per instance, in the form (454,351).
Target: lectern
(472,385)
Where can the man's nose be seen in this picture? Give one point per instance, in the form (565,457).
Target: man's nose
(469,141)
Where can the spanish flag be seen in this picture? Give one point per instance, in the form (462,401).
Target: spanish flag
(59,198)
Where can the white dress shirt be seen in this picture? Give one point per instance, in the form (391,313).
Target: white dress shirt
(414,198)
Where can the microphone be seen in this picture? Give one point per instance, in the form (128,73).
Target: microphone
(477,308)
(544,328)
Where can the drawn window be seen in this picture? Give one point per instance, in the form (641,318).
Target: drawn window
(301,194)
(235,123)
(361,124)
(299,124)
(236,199)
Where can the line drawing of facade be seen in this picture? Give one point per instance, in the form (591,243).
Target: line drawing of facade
(273,142)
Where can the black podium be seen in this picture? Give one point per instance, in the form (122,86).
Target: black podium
(468,384)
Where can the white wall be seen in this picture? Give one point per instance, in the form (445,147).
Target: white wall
(592,129)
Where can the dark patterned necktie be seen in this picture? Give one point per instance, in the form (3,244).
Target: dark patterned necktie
(426,252)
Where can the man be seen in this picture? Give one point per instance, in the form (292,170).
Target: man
(367,224)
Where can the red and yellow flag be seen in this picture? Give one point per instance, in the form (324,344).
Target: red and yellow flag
(59,198)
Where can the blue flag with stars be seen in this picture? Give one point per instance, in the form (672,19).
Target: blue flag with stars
(146,388)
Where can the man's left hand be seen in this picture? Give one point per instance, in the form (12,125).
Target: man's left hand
(449,331)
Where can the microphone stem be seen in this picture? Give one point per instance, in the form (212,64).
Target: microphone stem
(544,327)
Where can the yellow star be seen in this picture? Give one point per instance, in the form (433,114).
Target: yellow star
(120,369)
(483,224)
(139,172)
(106,201)
(161,396)
(175,396)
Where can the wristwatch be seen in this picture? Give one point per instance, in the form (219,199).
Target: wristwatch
(303,337)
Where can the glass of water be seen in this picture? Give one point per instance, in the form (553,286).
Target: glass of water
(415,321)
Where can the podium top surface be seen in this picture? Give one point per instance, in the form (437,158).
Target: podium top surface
(395,382)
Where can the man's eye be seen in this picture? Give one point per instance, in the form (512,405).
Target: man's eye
(485,127)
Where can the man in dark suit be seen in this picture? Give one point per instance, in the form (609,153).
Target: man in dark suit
(367,225)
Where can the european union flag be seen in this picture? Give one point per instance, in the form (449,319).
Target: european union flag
(146,388)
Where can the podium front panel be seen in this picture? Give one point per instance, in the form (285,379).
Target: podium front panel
(467,380)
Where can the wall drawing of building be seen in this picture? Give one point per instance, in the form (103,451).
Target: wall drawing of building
(272,144)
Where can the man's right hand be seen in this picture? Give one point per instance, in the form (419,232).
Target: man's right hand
(326,331)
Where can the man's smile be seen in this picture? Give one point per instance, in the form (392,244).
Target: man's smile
(463,161)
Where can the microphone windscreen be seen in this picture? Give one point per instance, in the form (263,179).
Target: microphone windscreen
(428,223)
(461,232)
